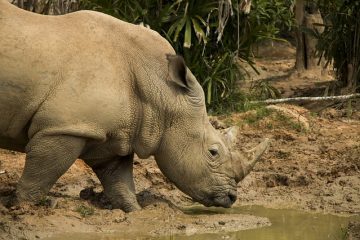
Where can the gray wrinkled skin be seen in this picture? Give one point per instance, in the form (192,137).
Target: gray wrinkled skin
(86,85)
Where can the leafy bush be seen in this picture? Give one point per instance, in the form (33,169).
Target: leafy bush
(271,18)
(211,35)
(340,41)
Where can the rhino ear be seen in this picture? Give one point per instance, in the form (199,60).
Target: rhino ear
(177,70)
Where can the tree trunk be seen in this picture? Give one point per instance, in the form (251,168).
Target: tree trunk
(311,19)
(300,41)
(307,16)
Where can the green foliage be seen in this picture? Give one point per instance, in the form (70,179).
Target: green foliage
(289,123)
(44,201)
(219,82)
(147,12)
(272,17)
(194,28)
(189,18)
(264,90)
(260,113)
(275,118)
(340,41)
(85,211)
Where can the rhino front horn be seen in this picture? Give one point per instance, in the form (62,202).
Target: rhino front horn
(244,164)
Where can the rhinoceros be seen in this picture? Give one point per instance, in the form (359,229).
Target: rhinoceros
(86,85)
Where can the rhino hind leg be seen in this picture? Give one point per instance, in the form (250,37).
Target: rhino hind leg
(47,159)
(116,176)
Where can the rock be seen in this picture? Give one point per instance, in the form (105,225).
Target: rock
(217,124)
(311,138)
(275,179)
(53,203)
(181,227)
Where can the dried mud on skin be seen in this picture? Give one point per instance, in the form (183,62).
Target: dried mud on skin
(314,170)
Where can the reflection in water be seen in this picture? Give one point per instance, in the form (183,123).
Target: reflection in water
(286,225)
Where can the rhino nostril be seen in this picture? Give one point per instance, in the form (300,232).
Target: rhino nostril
(232,197)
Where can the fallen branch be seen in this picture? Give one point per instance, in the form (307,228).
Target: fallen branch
(2,171)
(310,99)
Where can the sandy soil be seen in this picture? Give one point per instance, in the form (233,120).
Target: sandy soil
(312,166)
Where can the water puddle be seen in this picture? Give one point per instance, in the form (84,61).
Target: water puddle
(286,225)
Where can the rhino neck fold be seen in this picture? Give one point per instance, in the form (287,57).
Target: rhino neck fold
(149,131)
(154,102)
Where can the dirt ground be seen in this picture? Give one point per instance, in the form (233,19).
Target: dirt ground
(313,164)
(317,169)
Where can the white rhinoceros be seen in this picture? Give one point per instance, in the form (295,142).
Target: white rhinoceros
(86,85)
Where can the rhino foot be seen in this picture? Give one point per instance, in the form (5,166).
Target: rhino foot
(116,176)
(47,159)
(127,206)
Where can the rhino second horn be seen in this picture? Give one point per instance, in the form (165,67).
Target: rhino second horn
(244,165)
(231,136)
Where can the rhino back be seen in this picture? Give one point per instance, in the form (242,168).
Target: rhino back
(77,68)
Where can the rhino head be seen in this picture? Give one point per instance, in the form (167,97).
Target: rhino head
(192,153)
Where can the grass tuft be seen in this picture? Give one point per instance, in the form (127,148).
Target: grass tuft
(85,211)
(288,122)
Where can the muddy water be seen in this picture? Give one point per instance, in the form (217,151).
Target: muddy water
(286,225)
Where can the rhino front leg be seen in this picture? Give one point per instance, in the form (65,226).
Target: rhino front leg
(116,176)
(47,159)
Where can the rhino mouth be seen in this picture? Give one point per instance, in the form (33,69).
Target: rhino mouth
(225,200)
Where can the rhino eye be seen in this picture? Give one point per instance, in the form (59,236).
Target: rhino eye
(214,152)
